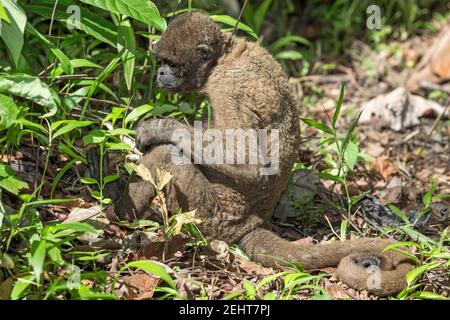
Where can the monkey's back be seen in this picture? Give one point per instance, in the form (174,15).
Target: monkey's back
(248,89)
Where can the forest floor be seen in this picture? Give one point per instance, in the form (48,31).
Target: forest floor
(402,169)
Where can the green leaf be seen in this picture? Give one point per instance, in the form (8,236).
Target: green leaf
(29,87)
(351,154)
(137,113)
(249,289)
(38,253)
(72,124)
(73,227)
(84,63)
(8,111)
(120,131)
(398,212)
(153,268)
(289,55)
(20,286)
(88,180)
(144,11)
(12,32)
(417,272)
(118,146)
(126,41)
(318,125)
(109,179)
(87,294)
(428,295)
(9,181)
(232,22)
(327,176)
(94,137)
(338,107)
(163,109)
(416,235)
(3,14)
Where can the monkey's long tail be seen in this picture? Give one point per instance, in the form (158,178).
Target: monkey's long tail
(269,249)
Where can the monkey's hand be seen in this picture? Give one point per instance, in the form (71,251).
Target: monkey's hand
(155,131)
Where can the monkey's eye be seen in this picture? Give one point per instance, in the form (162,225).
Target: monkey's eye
(169,63)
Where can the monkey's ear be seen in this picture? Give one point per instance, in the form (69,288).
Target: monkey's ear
(205,52)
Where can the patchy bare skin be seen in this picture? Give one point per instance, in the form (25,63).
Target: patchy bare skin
(247,89)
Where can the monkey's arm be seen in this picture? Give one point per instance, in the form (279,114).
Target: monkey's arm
(161,131)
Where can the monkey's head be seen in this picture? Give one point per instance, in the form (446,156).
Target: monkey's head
(188,50)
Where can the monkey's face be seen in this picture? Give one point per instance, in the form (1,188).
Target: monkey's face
(187,52)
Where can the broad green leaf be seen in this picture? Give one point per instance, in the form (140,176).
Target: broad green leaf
(73,227)
(127,42)
(12,32)
(268,279)
(109,179)
(429,295)
(152,267)
(118,146)
(73,124)
(94,137)
(88,180)
(137,113)
(398,212)
(249,289)
(416,235)
(417,272)
(9,181)
(317,125)
(29,87)
(351,154)
(21,285)
(165,108)
(38,253)
(120,131)
(3,14)
(84,63)
(289,55)
(8,111)
(144,11)
(232,22)
(87,294)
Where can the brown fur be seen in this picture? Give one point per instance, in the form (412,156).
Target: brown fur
(247,88)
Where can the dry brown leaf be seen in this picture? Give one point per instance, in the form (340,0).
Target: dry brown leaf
(138,287)
(383,166)
(6,288)
(155,250)
(335,291)
(251,267)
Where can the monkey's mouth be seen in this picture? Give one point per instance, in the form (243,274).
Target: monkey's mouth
(166,86)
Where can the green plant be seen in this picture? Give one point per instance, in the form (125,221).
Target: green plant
(341,153)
